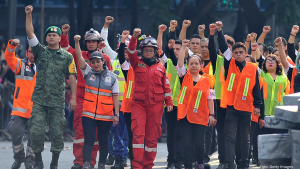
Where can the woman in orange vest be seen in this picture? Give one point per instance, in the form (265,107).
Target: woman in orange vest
(195,107)
(101,97)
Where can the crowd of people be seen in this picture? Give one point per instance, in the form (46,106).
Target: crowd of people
(119,96)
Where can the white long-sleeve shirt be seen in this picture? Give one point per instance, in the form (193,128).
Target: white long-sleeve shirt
(107,49)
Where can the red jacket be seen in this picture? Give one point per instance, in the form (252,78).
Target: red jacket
(64,43)
(150,83)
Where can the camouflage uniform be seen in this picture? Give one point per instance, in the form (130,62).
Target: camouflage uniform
(48,96)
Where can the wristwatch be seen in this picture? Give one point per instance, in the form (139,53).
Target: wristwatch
(118,115)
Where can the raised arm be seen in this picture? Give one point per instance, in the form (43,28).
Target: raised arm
(172,30)
(291,44)
(282,55)
(13,62)
(132,53)
(161,30)
(185,25)
(211,46)
(121,55)
(254,48)
(185,43)
(247,42)
(264,33)
(81,62)
(201,29)
(29,26)
(104,34)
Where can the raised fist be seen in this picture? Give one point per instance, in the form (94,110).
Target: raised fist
(219,25)
(65,29)
(171,43)
(28,9)
(125,34)
(254,46)
(15,42)
(266,29)
(162,28)
(212,27)
(253,36)
(173,24)
(201,28)
(77,38)
(186,23)
(278,40)
(136,32)
(248,38)
(185,42)
(295,29)
(109,19)
(102,44)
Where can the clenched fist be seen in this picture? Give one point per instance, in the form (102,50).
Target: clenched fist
(186,23)
(248,38)
(173,25)
(65,29)
(219,25)
(254,46)
(201,28)
(185,42)
(171,43)
(125,35)
(212,28)
(253,37)
(77,38)
(109,19)
(295,29)
(28,9)
(162,28)
(15,42)
(266,29)
(136,32)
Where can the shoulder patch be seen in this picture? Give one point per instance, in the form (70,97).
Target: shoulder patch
(141,64)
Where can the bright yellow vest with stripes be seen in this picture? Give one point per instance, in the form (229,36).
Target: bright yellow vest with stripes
(273,91)
(219,75)
(172,75)
(121,79)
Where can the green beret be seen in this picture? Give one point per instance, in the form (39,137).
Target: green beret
(53,29)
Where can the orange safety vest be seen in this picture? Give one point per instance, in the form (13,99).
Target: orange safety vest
(256,117)
(192,100)
(294,73)
(98,102)
(24,84)
(290,61)
(206,68)
(238,87)
(127,98)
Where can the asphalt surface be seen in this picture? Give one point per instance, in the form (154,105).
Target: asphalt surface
(66,157)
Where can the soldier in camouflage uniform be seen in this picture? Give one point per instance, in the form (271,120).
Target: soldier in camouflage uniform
(53,65)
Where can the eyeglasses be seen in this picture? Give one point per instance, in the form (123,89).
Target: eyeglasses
(30,51)
(270,61)
(148,51)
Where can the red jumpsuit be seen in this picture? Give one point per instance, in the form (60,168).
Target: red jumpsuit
(151,89)
(79,137)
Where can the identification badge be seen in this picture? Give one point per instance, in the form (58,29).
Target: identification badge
(141,65)
(243,98)
(117,72)
(108,79)
(195,110)
(92,78)
(28,69)
(117,67)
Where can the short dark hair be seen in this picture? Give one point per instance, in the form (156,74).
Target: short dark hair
(279,65)
(199,57)
(274,51)
(230,42)
(270,49)
(284,42)
(178,41)
(251,58)
(195,36)
(265,48)
(239,45)
(27,47)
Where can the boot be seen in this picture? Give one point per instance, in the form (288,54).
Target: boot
(231,165)
(222,166)
(118,164)
(171,166)
(16,165)
(125,163)
(110,159)
(199,166)
(86,165)
(179,165)
(76,166)
(101,166)
(39,165)
(53,167)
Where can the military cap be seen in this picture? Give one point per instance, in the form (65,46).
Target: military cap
(53,29)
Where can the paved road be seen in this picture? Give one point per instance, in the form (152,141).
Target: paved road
(66,158)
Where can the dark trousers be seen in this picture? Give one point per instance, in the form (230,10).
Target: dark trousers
(254,141)
(174,142)
(127,117)
(242,120)
(192,142)
(89,126)
(221,114)
(208,141)
(238,143)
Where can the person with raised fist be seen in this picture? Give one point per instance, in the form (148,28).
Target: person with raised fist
(195,107)
(151,90)
(53,65)
(25,71)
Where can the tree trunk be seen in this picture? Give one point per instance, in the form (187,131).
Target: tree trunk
(72,22)
(239,31)
(197,17)
(134,15)
(84,16)
(181,7)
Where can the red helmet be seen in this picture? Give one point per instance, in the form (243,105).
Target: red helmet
(92,35)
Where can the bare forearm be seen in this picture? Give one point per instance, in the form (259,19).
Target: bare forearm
(106,25)
(116,104)
(29,26)
(181,57)
(202,34)
(159,40)
(283,58)
(261,38)
(182,34)
(210,104)
(80,59)
(292,39)
(72,79)
(247,43)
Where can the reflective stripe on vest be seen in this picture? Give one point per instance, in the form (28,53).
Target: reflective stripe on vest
(129,90)
(11,50)
(182,95)
(24,77)
(97,116)
(17,67)
(19,109)
(98,93)
(198,99)
(121,79)
(231,81)
(246,88)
